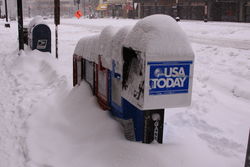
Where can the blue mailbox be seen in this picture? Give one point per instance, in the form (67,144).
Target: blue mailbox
(39,35)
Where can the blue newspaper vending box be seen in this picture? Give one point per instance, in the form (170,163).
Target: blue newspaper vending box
(157,74)
(116,72)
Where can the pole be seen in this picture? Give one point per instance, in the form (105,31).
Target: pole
(56,41)
(247,162)
(20,24)
(0,12)
(6,11)
(57,21)
(205,11)
(177,18)
(7,25)
(29,11)
(84,13)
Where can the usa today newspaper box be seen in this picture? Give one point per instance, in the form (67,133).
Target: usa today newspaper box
(39,35)
(157,74)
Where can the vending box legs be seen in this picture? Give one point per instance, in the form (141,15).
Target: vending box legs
(147,125)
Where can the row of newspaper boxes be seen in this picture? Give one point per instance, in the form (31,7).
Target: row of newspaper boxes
(136,72)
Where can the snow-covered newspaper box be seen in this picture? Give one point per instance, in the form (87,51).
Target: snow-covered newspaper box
(84,60)
(39,35)
(116,73)
(104,67)
(157,74)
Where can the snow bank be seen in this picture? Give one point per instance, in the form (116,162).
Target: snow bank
(75,132)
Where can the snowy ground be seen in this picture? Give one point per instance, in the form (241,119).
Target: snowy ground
(44,122)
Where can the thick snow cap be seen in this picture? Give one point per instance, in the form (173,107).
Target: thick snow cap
(117,44)
(36,20)
(161,36)
(87,47)
(105,45)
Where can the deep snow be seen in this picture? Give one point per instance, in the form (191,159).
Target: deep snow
(44,122)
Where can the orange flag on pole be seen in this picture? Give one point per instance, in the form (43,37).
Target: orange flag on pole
(78,14)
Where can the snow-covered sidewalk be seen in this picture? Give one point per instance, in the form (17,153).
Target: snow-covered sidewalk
(25,80)
(44,122)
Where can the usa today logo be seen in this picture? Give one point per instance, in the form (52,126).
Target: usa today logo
(169,77)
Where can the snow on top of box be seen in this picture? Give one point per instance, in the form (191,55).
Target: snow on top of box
(118,41)
(117,44)
(87,47)
(105,42)
(36,20)
(161,36)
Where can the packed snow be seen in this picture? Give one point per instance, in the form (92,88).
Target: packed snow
(45,122)
(157,39)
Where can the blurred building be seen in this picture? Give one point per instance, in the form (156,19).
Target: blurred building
(1,4)
(217,10)
(12,11)
(46,8)
(115,8)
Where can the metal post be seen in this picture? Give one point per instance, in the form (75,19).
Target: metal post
(20,24)
(133,13)
(205,11)
(139,10)
(6,11)
(57,21)
(56,42)
(142,8)
(7,25)
(29,12)
(177,18)
(0,8)
(84,8)
(247,162)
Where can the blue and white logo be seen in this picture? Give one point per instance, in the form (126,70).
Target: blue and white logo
(169,77)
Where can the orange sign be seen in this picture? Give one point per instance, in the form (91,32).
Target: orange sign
(78,14)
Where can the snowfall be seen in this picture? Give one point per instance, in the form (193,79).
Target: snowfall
(46,122)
